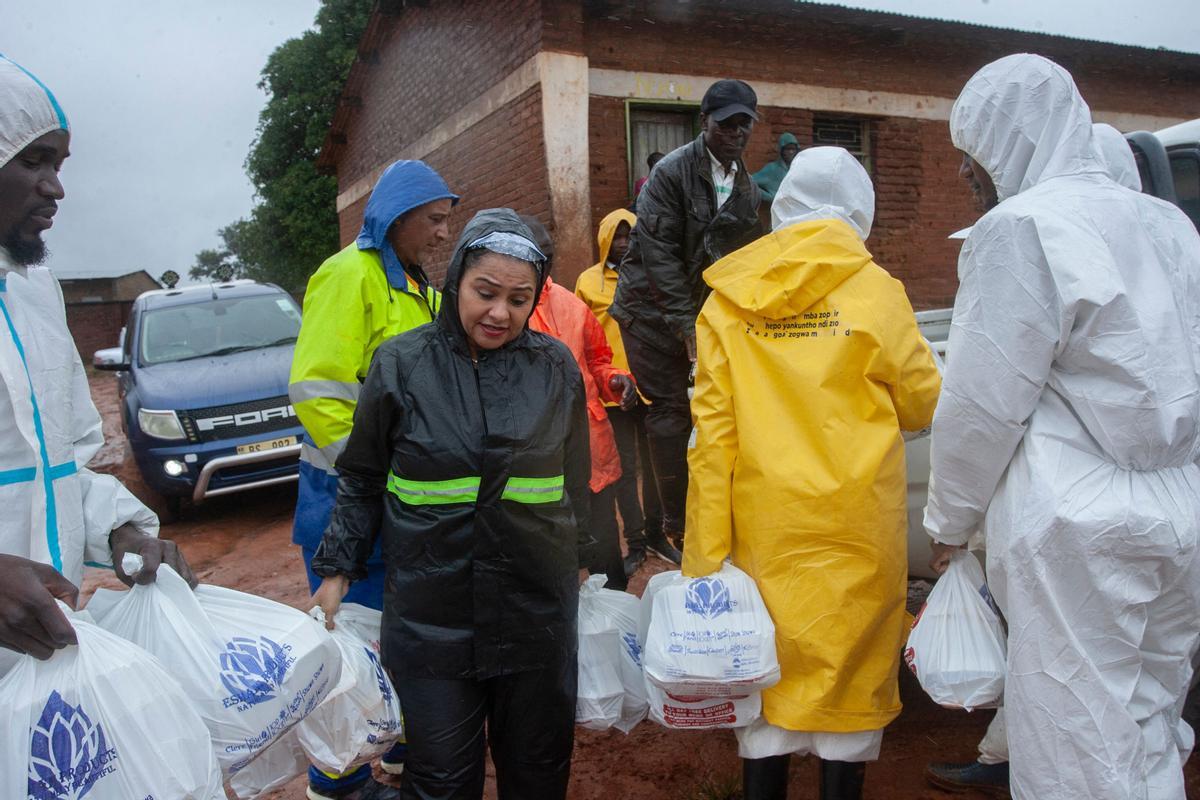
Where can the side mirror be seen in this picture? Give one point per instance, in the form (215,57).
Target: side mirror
(110,358)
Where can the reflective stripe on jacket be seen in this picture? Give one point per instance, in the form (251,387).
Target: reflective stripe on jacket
(56,511)
(349,310)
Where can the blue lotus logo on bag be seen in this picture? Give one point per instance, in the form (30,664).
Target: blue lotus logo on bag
(708,597)
(252,671)
(385,688)
(632,647)
(67,753)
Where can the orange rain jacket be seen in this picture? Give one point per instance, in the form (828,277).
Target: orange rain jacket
(566,317)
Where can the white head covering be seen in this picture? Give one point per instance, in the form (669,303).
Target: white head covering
(1116,156)
(1023,120)
(825,183)
(27,109)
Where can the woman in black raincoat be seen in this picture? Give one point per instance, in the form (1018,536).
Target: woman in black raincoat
(469,455)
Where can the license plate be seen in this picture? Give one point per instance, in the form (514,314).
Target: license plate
(270,444)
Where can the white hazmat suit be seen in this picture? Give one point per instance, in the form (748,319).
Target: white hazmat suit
(1068,428)
(1113,150)
(55,510)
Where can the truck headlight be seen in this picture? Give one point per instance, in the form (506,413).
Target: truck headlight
(160,424)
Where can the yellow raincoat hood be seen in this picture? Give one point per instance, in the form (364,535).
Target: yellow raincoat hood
(783,274)
(597,285)
(810,363)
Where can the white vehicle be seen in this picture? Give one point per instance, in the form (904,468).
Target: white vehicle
(935,327)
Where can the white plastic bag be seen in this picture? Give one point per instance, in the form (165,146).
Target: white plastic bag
(272,769)
(620,611)
(252,667)
(103,720)
(611,691)
(360,719)
(956,647)
(684,712)
(710,636)
(600,694)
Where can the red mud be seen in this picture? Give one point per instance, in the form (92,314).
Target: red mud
(244,542)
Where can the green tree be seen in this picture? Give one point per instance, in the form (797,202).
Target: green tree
(293,225)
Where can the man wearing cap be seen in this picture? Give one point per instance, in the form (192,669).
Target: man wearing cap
(701,205)
(372,290)
(58,515)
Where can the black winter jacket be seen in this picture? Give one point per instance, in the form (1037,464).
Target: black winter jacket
(680,232)
(476,476)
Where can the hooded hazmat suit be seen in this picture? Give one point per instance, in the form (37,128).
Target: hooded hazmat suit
(1115,156)
(772,174)
(56,511)
(810,365)
(1068,428)
(473,472)
(358,299)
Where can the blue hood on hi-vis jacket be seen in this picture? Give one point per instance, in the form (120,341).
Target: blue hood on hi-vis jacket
(403,186)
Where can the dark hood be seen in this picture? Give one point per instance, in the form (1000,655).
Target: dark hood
(490,220)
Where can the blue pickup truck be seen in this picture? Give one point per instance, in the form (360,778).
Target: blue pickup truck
(203,374)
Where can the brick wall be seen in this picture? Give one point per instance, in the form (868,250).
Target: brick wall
(498,163)
(95,326)
(919,199)
(427,63)
(779,40)
(424,63)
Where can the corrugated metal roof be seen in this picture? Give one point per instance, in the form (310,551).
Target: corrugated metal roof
(983,25)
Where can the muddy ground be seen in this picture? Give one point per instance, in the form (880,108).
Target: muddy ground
(244,542)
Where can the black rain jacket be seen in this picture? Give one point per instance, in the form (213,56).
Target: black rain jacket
(476,476)
(680,232)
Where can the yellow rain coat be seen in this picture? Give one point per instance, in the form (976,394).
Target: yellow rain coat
(597,284)
(810,365)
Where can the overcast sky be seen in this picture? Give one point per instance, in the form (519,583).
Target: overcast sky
(163,103)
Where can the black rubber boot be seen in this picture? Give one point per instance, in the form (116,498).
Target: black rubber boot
(842,780)
(765,778)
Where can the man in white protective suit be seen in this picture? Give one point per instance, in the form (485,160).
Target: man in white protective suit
(1068,429)
(989,772)
(57,515)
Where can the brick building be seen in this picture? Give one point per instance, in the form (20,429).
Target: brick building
(550,106)
(98,304)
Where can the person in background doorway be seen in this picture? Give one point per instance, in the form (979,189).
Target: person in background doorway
(651,160)
(700,206)
(565,317)
(770,176)
(372,290)
(641,518)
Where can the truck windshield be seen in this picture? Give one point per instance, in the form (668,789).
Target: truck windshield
(217,327)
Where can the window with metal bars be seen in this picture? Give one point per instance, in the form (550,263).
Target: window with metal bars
(852,133)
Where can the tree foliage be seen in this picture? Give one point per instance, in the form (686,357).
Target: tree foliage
(293,226)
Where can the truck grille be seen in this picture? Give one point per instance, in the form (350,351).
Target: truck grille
(239,419)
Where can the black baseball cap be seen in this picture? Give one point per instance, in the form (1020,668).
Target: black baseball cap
(728,97)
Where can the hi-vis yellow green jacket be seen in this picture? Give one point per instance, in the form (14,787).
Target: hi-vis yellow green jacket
(349,310)
(810,365)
